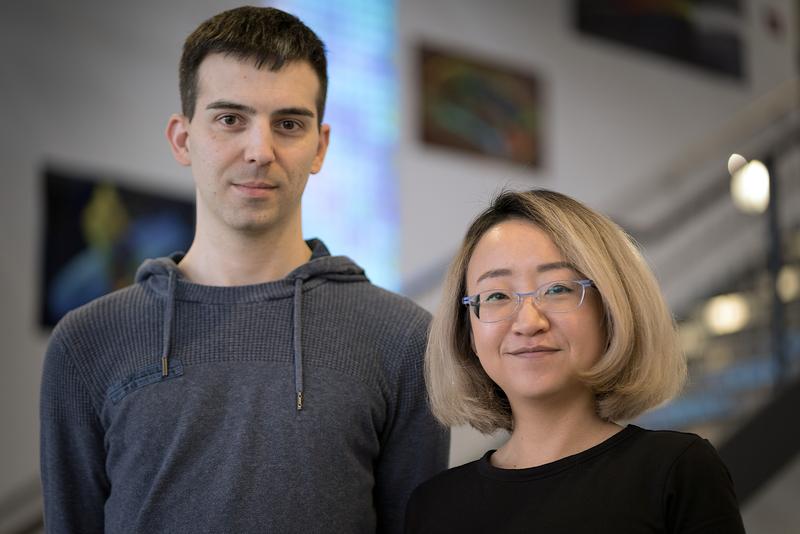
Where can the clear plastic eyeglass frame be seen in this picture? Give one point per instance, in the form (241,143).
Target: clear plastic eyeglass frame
(539,297)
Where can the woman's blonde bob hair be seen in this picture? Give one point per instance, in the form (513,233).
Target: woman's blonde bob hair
(642,365)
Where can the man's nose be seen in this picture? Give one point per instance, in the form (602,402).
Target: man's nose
(260,148)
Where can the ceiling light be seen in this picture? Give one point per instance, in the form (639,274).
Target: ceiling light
(726,314)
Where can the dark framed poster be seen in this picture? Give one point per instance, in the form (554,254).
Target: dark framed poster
(702,33)
(97,233)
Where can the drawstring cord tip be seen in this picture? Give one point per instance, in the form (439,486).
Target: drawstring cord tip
(164,366)
(299,400)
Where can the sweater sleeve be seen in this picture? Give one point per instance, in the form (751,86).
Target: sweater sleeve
(414,447)
(699,495)
(74,483)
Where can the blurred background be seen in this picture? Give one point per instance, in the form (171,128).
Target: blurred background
(632,106)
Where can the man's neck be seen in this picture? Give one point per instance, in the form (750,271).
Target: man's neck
(236,259)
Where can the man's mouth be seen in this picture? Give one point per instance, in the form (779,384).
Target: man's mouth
(254,189)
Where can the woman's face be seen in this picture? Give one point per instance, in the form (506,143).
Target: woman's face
(533,355)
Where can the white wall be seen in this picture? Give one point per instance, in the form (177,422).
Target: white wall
(91,84)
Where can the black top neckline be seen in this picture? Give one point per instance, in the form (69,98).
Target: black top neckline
(486,469)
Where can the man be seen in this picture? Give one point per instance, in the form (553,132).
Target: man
(255,383)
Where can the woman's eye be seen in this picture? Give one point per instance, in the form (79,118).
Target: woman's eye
(557,289)
(496,296)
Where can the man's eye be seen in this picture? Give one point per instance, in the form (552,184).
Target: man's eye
(229,120)
(289,125)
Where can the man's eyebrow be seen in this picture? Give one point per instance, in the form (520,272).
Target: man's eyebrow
(283,112)
(303,112)
(224,104)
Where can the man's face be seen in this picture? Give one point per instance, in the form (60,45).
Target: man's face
(252,143)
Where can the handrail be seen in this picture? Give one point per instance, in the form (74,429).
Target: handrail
(714,191)
(758,115)
(765,444)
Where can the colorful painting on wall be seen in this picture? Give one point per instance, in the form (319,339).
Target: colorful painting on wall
(480,107)
(704,33)
(97,233)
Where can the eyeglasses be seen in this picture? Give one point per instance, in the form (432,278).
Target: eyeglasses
(495,305)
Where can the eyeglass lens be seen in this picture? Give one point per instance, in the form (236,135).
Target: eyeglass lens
(497,305)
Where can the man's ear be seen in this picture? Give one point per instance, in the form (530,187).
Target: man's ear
(178,136)
(322,148)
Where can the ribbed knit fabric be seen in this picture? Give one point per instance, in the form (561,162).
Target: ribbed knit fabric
(217,443)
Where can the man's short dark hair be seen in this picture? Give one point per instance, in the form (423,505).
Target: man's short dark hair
(268,36)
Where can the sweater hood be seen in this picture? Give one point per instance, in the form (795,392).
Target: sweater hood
(162,277)
(155,275)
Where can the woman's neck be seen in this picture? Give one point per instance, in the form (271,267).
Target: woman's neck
(544,434)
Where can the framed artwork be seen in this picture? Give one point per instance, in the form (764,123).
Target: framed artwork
(97,233)
(480,107)
(703,33)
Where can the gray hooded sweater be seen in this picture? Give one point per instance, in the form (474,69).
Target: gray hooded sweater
(291,406)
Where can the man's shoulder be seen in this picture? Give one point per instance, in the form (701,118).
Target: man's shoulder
(382,303)
(103,333)
(113,308)
(390,299)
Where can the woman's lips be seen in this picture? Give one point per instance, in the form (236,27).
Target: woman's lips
(532,352)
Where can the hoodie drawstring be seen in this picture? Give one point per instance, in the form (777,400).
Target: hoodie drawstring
(298,348)
(169,313)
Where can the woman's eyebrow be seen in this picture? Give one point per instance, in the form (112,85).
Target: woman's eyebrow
(555,265)
(497,273)
(493,273)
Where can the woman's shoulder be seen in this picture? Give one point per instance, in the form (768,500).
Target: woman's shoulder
(670,451)
(442,501)
(455,477)
(666,441)
(464,480)
(698,488)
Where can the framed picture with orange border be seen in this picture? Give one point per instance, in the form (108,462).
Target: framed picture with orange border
(481,107)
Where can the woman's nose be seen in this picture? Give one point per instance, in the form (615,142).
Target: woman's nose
(529,319)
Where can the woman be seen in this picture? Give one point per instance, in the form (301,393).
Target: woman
(553,327)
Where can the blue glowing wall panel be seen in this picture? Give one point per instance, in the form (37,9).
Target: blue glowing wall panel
(352,203)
